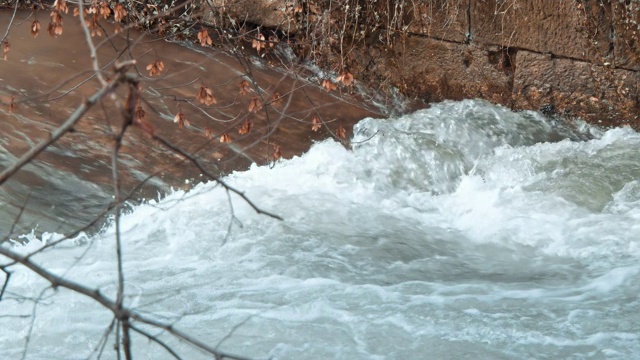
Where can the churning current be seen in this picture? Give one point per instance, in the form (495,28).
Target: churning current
(464,231)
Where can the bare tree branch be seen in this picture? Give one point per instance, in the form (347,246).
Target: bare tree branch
(119,313)
(127,113)
(13,16)
(211,176)
(65,127)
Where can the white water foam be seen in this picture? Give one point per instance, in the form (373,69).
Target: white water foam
(461,231)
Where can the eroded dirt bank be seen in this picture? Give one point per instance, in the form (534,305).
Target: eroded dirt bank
(573,58)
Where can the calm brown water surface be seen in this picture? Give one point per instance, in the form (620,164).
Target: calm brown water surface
(71,182)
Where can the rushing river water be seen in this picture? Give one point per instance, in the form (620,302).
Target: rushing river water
(464,231)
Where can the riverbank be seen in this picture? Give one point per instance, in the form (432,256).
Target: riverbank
(576,59)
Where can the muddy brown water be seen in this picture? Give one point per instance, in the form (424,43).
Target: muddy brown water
(65,187)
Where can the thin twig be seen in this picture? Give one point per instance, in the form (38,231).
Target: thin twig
(27,339)
(120,313)
(103,340)
(16,220)
(156,340)
(215,178)
(92,47)
(6,281)
(15,9)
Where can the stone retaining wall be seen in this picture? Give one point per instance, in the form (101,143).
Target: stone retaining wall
(577,57)
(571,57)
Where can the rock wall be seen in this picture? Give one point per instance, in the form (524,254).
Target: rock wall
(577,58)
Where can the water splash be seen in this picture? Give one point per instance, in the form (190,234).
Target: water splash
(461,231)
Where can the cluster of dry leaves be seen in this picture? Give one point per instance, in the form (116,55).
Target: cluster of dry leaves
(346,78)
(93,12)
(55,26)
(246,127)
(204,38)
(100,9)
(35,28)
(244,87)
(259,42)
(205,96)
(181,120)
(155,68)
(210,133)
(312,10)
(255,105)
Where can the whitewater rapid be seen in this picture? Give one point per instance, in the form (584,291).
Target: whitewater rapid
(464,231)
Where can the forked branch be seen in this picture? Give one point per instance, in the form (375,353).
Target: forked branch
(120,313)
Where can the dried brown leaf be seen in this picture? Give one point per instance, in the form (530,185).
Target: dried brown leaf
(328,85)
(61,6)
(119,12)
(35,28)
(105,11)
(93,9)
(140,119)
(258,43)
(255,105)
(205,96)
(155,68)
(208,132)
(54,29)
(246,127)
(93,26)
(140,113)
(316,124)
(341,132)
(56,17)
(244,87)
(225,138)
(277,152)
(346,78)
(180,119)
(204,38)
